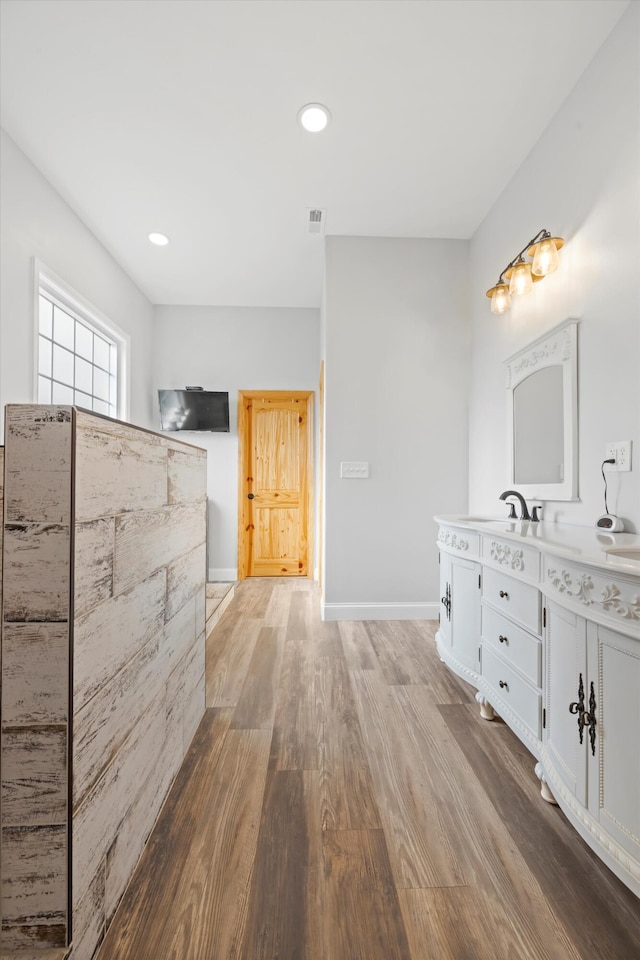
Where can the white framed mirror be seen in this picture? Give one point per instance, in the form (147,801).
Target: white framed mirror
(542,415)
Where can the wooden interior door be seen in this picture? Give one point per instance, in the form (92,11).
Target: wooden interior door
(275,483)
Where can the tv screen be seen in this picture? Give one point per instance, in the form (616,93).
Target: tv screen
(194,410)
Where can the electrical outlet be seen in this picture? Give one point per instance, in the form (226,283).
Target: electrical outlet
(624,455)
(620,451)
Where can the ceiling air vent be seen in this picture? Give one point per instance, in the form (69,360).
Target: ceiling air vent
(315,219)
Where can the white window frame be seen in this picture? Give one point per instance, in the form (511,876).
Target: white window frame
(51,285)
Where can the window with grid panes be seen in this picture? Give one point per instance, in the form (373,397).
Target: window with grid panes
(76,363)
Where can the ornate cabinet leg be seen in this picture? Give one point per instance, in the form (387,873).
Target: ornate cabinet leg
(486,710)
(544,786)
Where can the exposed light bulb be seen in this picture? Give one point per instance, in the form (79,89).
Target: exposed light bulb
(545,259)
(500,301)
(521,281)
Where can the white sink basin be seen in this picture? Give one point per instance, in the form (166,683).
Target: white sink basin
(477,519)
(625,553)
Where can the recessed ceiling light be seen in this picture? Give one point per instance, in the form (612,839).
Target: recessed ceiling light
(159,239)
(313,117)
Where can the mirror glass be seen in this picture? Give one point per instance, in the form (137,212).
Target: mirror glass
(542,416)
(538,427)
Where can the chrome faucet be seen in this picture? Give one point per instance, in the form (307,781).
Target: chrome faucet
(524,512)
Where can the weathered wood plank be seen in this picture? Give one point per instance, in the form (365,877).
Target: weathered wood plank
(229,652)
(257,701)
(34,875)
(297,728)
(116,473)
(38,481)
(34,775)
(360,885)
(185,575)
(454,922)
(277,904)
(356,646)
(89,918)
(186,692)
(299,716)
(35,673)
(178,636)
(36,571)
(347,795)
(148,540)
(187,476)
(132,835)
(96,821)
(107,637)
(421,850)
(93,564)
(103,724)
(201,868)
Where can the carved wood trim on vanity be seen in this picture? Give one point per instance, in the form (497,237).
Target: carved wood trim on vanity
(600,591)
(448,538)
(610,598)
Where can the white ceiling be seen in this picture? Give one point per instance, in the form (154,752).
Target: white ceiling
(179,116)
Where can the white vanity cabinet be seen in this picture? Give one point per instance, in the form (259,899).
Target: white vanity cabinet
(592,737)
(460,586)
(511,641)
(551,642)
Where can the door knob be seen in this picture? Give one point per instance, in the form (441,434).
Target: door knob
(250,496)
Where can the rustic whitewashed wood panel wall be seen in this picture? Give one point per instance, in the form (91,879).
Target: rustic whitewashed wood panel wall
(35,677)
(135,528)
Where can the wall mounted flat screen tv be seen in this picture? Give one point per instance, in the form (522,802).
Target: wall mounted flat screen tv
(194,410)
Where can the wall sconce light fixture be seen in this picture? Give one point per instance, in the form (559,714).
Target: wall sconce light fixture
(519,275)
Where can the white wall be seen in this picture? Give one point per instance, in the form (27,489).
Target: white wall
(581,182)
(397,360)
(36,222)
(232,348)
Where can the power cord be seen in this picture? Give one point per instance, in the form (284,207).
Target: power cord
(604,477)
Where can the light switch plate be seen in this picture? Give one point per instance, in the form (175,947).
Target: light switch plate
(354,469)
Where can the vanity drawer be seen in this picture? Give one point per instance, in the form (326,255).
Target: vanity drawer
(516,600)
(522,699)
(460,540)
(513,557)
(519,648)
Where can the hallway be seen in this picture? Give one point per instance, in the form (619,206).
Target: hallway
(343,799)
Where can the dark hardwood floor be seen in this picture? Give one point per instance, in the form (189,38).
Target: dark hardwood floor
(343,800)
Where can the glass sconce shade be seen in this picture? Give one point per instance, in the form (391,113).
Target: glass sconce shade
(545,256)
(500,300)
(519,275)
(520,281)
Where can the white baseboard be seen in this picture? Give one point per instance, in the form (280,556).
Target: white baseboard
(222,574)
(379,611)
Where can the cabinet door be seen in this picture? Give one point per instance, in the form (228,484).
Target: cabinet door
(465,612)
(614,771)
(445,608)
(566,663)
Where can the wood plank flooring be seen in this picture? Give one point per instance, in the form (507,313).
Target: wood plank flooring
(343,800)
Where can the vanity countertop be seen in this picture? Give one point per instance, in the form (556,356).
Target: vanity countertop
(582,544)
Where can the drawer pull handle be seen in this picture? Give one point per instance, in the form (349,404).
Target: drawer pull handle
(503,639)
(504,595)
(503,685)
